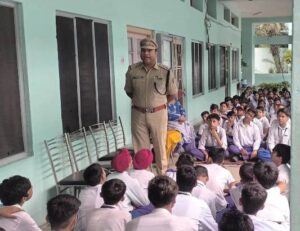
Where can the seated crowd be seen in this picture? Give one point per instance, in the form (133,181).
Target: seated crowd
(199,194)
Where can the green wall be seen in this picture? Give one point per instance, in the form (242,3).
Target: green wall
(170,16)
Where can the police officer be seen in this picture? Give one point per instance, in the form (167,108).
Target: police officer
(148,84)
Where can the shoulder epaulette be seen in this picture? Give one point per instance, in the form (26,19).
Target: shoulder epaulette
(163,66)
(134,65)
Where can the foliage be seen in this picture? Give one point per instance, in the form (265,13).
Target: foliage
(274,85)
(288,56)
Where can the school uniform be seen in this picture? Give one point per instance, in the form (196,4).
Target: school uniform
(207,140)
(276,207)
(90,199)
(265,225)
(162,220)
(188,206)
(22,222)
(200,191)
(260,127)
(143,176)
(279,135)
(284,174)
(245,136)
(134,195)
(171,173)
(219,177)
(265,123)
(235,194)
(109,218)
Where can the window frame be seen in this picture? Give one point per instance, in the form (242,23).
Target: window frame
(213,64)
(23,85)
(110,59)
(235,65)
(201,74)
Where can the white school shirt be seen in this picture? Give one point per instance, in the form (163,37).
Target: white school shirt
(208,140)
(110,218)
(143,176)
(161,220)
(202,127)
(246,135)
(260,127)
(276,207)
(279,135)
(265,225)
(228,130)
(235,194)
(219,178)
(200,191)
(284,174)
(188,206)
(134,195)
(90,199)
(22,222)
(265,123)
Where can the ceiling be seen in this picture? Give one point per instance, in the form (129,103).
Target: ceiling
(261,8)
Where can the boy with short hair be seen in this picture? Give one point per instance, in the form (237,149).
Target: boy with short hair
(90,198)
(229,125)
(235,220)
(189,206)
(219,177)
(183,159)
(109,216)
(162,192)
(246,175)
(62,212)
(281,156)
(280,130)
(276,207)
(260,114)
(214,136)
(202,192)
(253,199)
(15,191)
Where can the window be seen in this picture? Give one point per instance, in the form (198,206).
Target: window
(224,64)
(84,70)
(13,133)
(197,68)
(197,4)
(212,83)
(235,64)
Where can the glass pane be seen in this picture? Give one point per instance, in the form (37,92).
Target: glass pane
(166,53)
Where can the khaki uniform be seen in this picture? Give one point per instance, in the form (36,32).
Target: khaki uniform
(140,84)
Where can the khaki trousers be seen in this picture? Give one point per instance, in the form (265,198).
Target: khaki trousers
(154,125)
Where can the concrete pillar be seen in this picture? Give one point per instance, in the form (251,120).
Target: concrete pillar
(295,162)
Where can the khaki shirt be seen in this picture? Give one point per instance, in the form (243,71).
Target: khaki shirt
(141,85)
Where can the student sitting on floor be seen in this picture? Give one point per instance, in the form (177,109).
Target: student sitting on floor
(15,191)
(90,198)
(280,130)
(202,192)
(62,212)
(228,126)
(141,162)
(202,126)
(235,220)
(246,138)
(134,196)
(189,206)
(183,159)
(162,192)
(264,121)
(214,136)
(246,175)
(253,199)
(8,211)
(276,207)
(220,179)
(109,216)
(281,156)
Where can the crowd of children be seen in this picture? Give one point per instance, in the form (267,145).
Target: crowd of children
(194,196)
